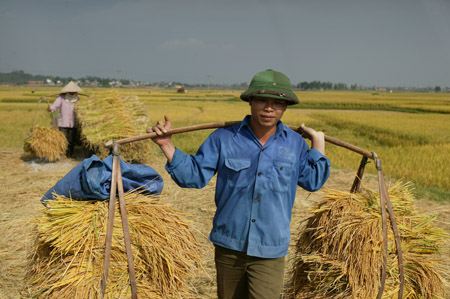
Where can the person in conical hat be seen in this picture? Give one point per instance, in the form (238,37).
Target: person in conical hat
(67,120)
(259,162)
(71,87)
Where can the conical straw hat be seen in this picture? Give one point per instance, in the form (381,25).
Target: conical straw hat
(71,87)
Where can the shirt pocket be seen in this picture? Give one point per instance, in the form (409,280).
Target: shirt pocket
(281,176)
(237,178)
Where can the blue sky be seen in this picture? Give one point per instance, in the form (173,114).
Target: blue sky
(384,42)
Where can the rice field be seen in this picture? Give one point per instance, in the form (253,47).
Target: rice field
(408,131)
(413,145)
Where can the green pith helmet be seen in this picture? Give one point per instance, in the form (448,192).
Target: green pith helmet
(271,84)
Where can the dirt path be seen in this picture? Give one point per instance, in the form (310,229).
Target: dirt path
(24,183)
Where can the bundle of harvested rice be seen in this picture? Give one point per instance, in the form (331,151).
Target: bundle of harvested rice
(67,261)
(338,253)
(112,117)
(47,143)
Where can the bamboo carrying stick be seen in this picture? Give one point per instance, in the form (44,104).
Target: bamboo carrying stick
(117,185)
(386,204)
(126,233)
(356,187)
(383,223)
(109,229)
(217,125)
(384,196)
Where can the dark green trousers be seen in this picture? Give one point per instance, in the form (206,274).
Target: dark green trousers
(240,276)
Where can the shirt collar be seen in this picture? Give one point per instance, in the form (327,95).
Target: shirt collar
(244,123)
(281,128)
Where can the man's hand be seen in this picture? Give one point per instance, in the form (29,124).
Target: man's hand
(317,138)
(164,141)
(161,129)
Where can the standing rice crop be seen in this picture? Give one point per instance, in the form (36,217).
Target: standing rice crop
(67,261)
(47,143)
(338,253)
(111,116)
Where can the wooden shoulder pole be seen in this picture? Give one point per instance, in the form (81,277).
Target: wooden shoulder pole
(111,210)
(356,187)
(117,185)
(217,125)
(383,226)
(126,234)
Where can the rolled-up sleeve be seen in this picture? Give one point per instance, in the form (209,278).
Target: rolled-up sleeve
(315,171)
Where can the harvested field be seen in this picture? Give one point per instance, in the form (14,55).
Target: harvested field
(19,205)
(403,148)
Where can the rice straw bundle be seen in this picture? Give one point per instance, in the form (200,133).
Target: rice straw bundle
(47,143)
(68,258)
(112,117)
(338,253)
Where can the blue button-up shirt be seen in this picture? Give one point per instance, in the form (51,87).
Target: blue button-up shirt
(256,185)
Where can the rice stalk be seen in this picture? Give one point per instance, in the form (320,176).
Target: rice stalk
(338,252)
(111,117)
(48,143)
(67,260)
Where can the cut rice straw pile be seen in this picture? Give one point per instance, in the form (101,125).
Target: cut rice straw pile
(338,253)
(111,117)
(67,261)
(48,143)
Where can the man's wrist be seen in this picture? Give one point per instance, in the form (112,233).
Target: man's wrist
(169,150)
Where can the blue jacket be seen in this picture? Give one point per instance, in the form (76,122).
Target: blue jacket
(256,185)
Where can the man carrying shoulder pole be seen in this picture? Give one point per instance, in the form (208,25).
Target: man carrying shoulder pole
(259,163)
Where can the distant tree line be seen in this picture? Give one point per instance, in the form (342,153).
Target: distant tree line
(21,78)
(318,85)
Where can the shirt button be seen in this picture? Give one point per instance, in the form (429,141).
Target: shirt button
(259,173)
(262,150)
(253,220)
(256,196)
(281,168)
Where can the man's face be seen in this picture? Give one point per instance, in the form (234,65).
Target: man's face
(266,112)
